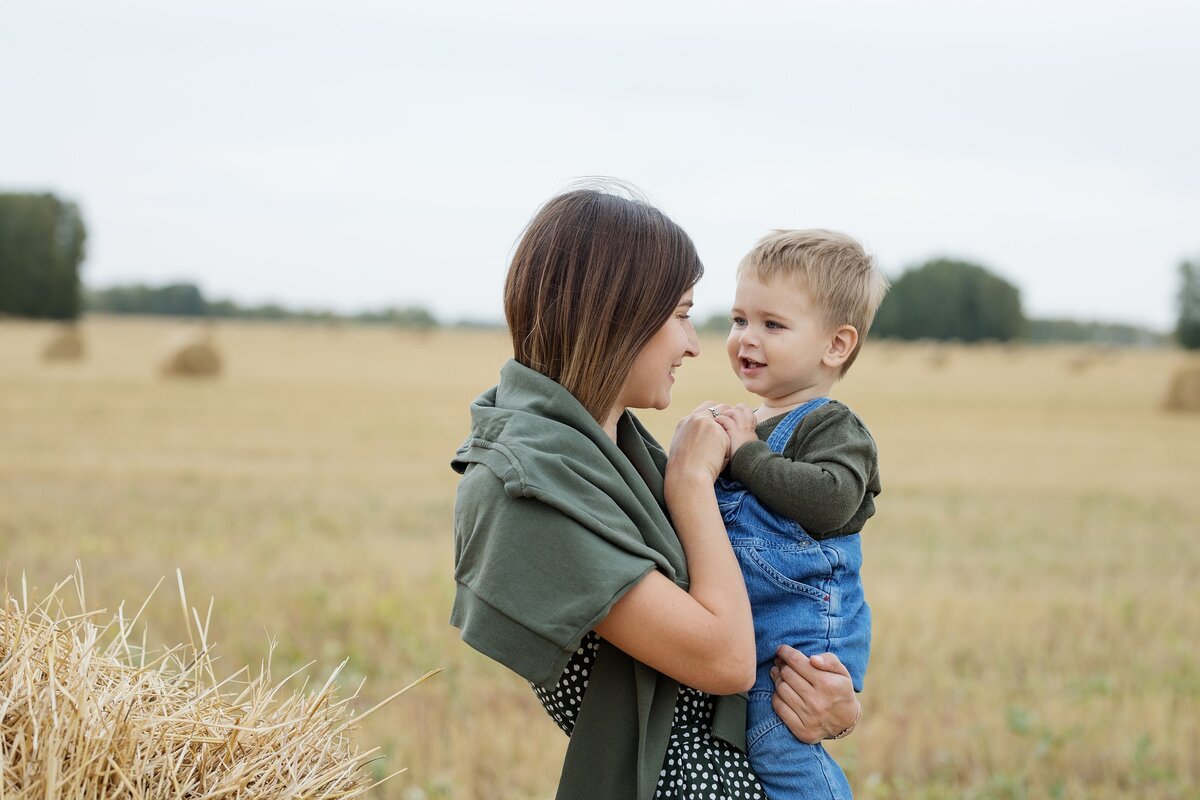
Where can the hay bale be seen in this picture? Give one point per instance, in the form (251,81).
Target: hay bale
(66,344)
(1080,362)
(1095,355)
(937,357)
(1183,393)
(1014,349)
(88,713)
(190,354)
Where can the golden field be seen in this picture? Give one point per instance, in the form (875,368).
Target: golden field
(1034,568)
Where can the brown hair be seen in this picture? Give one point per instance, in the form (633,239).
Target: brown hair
(837,273)
(593,278)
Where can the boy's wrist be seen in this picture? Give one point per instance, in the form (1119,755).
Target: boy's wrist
(742,454)
(738,442)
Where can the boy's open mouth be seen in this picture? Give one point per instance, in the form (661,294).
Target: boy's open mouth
(749,363)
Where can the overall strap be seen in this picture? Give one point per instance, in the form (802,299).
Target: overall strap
(784,430)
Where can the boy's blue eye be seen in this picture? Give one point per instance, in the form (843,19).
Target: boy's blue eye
(738,322)
(773,324)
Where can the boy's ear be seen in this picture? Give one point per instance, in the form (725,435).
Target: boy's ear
(841,345)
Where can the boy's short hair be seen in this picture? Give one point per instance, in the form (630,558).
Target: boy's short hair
(838,274)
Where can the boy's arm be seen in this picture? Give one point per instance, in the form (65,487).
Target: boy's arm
(824,488)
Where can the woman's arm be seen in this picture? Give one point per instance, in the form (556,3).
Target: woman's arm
(814,696)
(702,637)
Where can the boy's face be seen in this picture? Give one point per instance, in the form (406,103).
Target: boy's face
(779,342)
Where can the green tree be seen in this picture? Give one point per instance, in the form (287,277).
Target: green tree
(41,247)
(948,299)
(1187,330)
(176,299)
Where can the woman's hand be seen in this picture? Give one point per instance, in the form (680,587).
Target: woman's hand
(699,448)
(813,696)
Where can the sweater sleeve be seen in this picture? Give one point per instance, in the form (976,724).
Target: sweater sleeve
(824,486)
(531,582)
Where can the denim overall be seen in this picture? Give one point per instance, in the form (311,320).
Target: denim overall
(804,593)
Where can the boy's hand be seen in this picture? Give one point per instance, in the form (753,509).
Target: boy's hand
(739,423)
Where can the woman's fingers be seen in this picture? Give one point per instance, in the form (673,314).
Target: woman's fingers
(700,443)
(792,659)
(811,667)
(712,409)
(817,690)
(793,709)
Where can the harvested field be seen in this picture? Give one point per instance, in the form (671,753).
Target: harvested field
(1034,568)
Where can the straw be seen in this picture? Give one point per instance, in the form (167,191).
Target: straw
(85,714)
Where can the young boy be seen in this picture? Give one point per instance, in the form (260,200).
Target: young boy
(802,478)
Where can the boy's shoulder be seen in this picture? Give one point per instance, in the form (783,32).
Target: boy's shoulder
(834,418)
(836,409)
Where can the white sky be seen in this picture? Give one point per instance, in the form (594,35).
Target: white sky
(362,154)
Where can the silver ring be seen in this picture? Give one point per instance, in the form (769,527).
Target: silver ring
(713,410)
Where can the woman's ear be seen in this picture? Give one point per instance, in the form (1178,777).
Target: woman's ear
(845,339)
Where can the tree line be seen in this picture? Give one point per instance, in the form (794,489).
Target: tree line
(187,300)
(42,240)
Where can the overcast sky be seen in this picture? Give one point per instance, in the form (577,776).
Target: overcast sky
(362,154)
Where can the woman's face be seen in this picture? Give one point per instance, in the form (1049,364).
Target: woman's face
(653,372)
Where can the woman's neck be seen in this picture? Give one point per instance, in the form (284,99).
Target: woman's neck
(610,424)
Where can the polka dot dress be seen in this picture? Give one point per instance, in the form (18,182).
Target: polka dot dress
(697,766)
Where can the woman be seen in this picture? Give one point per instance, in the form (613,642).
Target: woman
(586,560)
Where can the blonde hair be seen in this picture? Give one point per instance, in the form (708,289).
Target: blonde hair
(839,276)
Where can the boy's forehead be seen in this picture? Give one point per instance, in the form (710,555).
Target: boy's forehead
(783,286)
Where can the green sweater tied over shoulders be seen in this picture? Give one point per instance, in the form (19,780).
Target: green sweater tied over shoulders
(553,523)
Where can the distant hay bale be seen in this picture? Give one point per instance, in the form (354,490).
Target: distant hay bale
(1092,356)
(1014,348)
(65,345)
(1080,362)
(1183,394)
(88,713)
(937,356)
(190,354)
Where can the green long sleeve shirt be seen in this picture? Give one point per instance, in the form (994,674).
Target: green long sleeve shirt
(827,477)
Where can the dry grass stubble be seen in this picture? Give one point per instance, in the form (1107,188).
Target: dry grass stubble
(1033,568)
(88,712)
